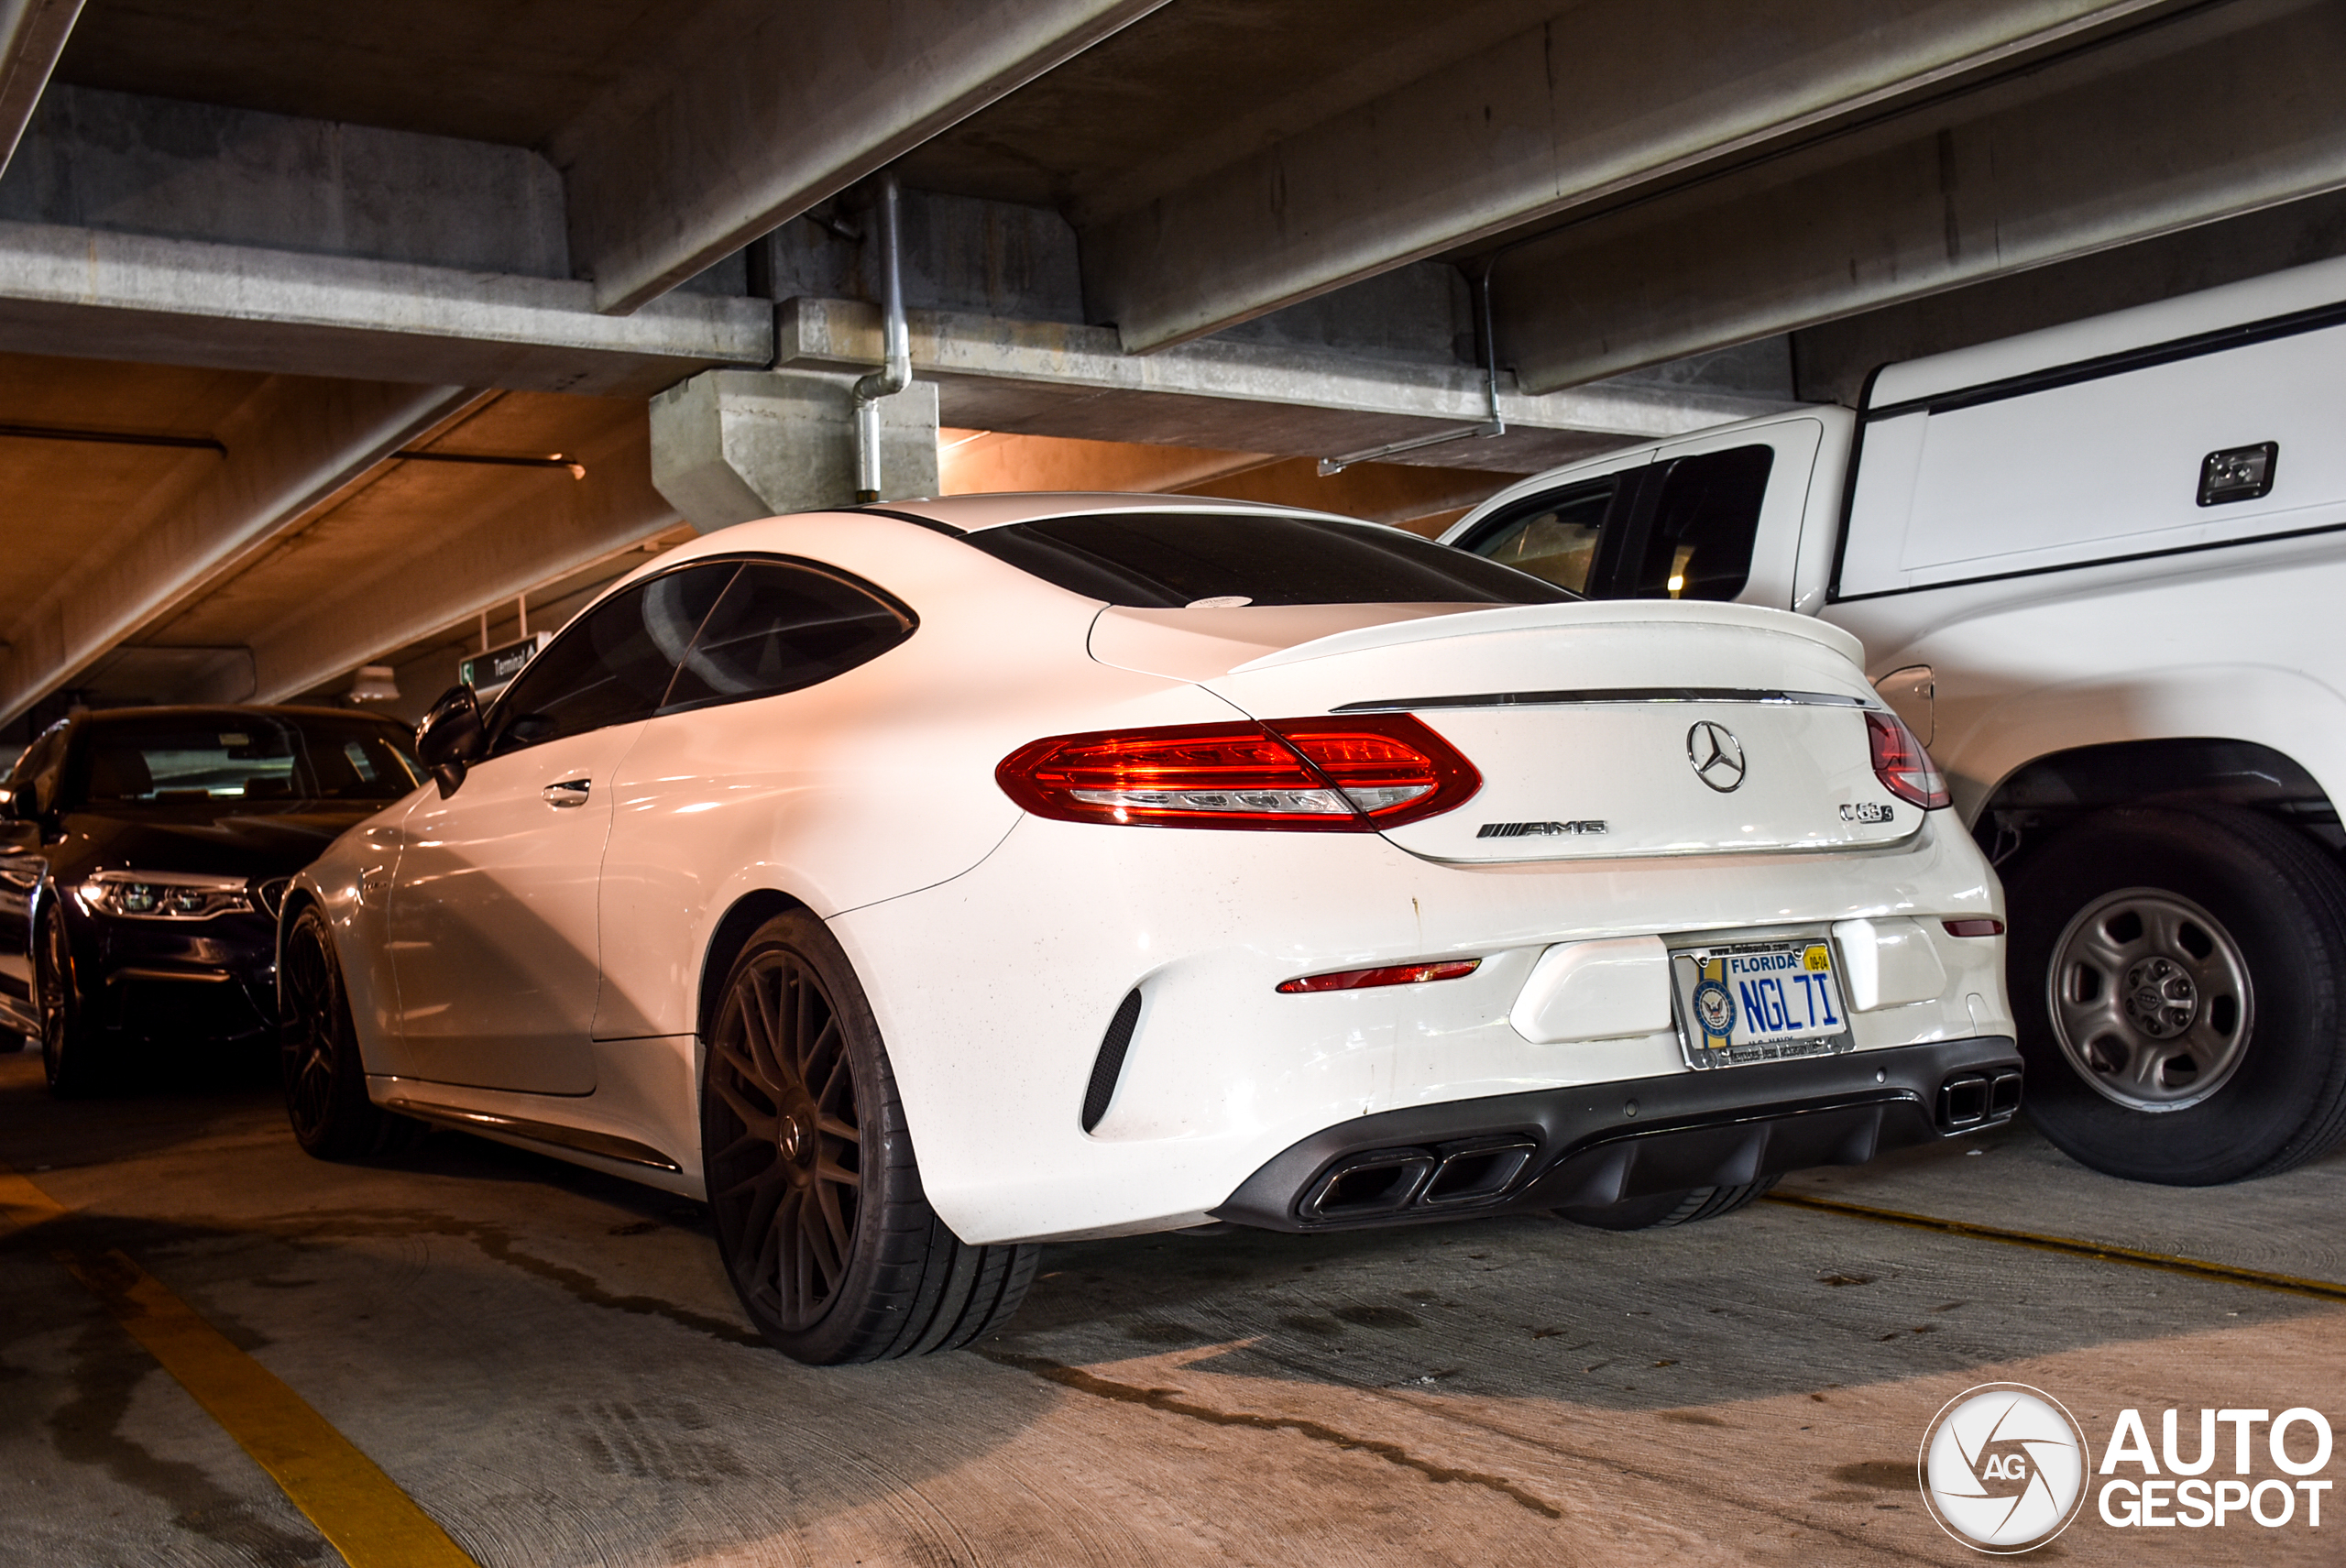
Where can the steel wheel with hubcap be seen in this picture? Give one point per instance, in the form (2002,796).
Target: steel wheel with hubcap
(819,1213)
(324,1077)
(2150,998)
(2179,980)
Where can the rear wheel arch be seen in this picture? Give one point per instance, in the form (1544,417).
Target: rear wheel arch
(726,941)
(2036,801)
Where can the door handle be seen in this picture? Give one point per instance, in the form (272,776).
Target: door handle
(570,791)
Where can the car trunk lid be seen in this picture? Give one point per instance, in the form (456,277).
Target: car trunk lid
(1607,730)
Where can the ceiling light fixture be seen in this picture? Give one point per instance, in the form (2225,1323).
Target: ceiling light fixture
(498,460)
(375,683)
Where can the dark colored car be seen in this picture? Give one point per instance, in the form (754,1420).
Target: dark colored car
(142,852)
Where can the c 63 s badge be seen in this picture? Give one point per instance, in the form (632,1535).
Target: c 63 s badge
(1868,811)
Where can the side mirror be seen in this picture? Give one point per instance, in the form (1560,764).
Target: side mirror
(451,737)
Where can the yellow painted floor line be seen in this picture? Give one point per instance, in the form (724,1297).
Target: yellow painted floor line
(24,1205)
(360,1511)
(2197,1268)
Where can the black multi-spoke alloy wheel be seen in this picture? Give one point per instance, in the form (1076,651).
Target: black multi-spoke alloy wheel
(1671,1208)
(68,1057)
(326,1081)
(818,1209)
(2179,982)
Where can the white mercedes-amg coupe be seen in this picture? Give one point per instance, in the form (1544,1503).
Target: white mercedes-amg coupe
(918,884)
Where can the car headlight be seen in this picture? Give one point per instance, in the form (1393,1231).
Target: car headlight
(165,895)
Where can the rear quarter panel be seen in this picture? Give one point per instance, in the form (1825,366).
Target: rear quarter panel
(868,786)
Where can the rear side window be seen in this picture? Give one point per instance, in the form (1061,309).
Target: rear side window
(779,628)
(611,665)
(1553,538)
(1697,543)
(1171,560)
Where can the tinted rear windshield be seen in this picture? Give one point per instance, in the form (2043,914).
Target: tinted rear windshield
(1169,560)
(230,758)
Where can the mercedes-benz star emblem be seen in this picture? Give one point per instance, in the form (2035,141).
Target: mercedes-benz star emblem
(1717,754)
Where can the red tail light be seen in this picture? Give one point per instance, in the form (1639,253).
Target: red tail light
(1905,769)
(1312,776)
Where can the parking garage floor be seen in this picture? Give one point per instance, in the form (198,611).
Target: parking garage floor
(550,1364)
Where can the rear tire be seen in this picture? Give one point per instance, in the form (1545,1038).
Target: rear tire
(69,1058)
(2180,980)
(820,1218)
(1670,1208)
(324,1079)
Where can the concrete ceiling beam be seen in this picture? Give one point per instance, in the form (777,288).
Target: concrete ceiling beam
(755,112)
(1053,378)
(32,34)
(1589,106)
(2219,111)
(293,445)
(455,564)
(98,293)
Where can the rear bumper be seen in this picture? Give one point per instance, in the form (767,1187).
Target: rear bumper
(1602,1143)
(998,991)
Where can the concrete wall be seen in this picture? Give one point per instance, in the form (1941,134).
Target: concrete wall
(156,166)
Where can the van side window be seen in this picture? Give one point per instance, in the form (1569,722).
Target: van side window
(779,628)
(1553,537)
(612,664)
(1696,544)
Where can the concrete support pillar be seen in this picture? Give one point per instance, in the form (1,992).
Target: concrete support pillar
(732,446)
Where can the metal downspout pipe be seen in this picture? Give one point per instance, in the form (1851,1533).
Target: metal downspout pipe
(896,372)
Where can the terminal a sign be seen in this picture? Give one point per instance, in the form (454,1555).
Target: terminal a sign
(490,673)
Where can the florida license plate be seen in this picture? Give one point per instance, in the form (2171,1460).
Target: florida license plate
(1763,1001)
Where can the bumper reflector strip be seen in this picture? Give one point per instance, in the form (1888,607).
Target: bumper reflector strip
(1981,927)
(1395,974)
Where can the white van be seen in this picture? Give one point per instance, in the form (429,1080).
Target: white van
(2101,570)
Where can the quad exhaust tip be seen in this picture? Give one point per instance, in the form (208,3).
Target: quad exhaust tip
(1975,1099)
(1383,1181)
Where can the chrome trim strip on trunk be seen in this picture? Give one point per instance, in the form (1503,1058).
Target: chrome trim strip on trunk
(1611,695)
(608,1144)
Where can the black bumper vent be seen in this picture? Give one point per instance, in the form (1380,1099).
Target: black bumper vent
(1110,1064)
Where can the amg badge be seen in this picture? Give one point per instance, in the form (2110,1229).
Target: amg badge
(1523,829)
